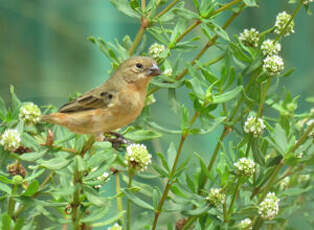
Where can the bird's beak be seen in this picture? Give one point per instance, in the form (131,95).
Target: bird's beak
(153,71)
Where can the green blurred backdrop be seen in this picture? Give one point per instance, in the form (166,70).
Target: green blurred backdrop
(44,53)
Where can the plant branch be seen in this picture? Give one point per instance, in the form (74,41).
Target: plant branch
(119,199)
(263,97)
(166,9)
(128,220)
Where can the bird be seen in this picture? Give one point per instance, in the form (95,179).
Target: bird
(112,105)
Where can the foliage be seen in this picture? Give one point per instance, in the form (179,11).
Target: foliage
(258,175)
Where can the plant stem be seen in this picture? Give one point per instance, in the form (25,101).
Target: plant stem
(76,199)
(88,144)
(143,5)
(263,97)
(166,9)
(11,204)
(234,197)
(128,221)
(214,156)
(119,199)
(169,182)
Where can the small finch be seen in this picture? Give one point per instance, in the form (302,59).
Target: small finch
(114,104)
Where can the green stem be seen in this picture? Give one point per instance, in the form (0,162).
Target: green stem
(137,40)
(234,197)
(169,183)
(263,97)
(76,199)
(128,221)
(166,9)
(88,144)
(119,199)
(189,222)
(11,203)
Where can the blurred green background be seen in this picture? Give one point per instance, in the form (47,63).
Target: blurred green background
(44,53)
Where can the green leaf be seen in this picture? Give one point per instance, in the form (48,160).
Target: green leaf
(15,101)
(6,222)
(203,166)
(93,197)
(227,96)
(136,200)
(55,163)
(162,172)
(31,189)
(5,180)
(19,224)
(184,118)
(163,161)
(196,212)
(80,163)
(33,156)
(142,135)
(250,3)
(156,196)
(5,188)
(162,129)
(295,191)
(3,110)
(110,220)
(96,215)
(124,7)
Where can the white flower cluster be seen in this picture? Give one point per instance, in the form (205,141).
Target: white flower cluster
(246,224)
(245,167)
(216,197)
(249,37)
(116,226)
(269,47)
(306,2)
(273,65)
(254,125)
(10,139)
(284,183)
(155,50)
(137,157)
(269,207)
(281,22)
(30,113)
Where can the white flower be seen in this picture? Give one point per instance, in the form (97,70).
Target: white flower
(308,123)
(254,125)
(167,72)
(30,113)
(216,197)
(137,157)
(156,49)
(273,65)
(270,48)
(281,22)
(116,226)
(245,167)
(104,176)
(249,37)
(269,207)
(306,2)
(304,178)
(284,183)
(246,224)
(10,139)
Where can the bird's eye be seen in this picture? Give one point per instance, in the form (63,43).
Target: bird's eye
(139,65)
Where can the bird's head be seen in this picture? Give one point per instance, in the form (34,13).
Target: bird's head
(138,70)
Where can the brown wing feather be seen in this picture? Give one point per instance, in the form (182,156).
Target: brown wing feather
(93,99)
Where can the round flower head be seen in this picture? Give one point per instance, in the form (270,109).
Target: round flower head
(284,183)
(270,48)
(168,72)
(30,113)
(137,157)
(116,226)
(249,37)
(156,49)
(281,22)
(269,207)
(245,167)
(246,224)
(273,65)
(216,197)
(254,125)
(10,139)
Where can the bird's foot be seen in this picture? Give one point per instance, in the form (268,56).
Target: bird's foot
(118,141)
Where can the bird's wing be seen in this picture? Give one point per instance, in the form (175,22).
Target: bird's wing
(96,98)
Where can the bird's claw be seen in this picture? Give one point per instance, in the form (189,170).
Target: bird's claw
(118,141)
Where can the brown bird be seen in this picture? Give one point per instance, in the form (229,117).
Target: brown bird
(113,105)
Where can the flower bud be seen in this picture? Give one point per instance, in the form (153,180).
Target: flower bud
(281,21)
(269,47)
(216,197)
(269,207)
(245,167)
(273,65)
(17,179)
(254,125)
(10,139)
(137,157)
(30,113)
(249,37)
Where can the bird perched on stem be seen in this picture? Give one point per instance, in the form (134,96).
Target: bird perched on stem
(114,104)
